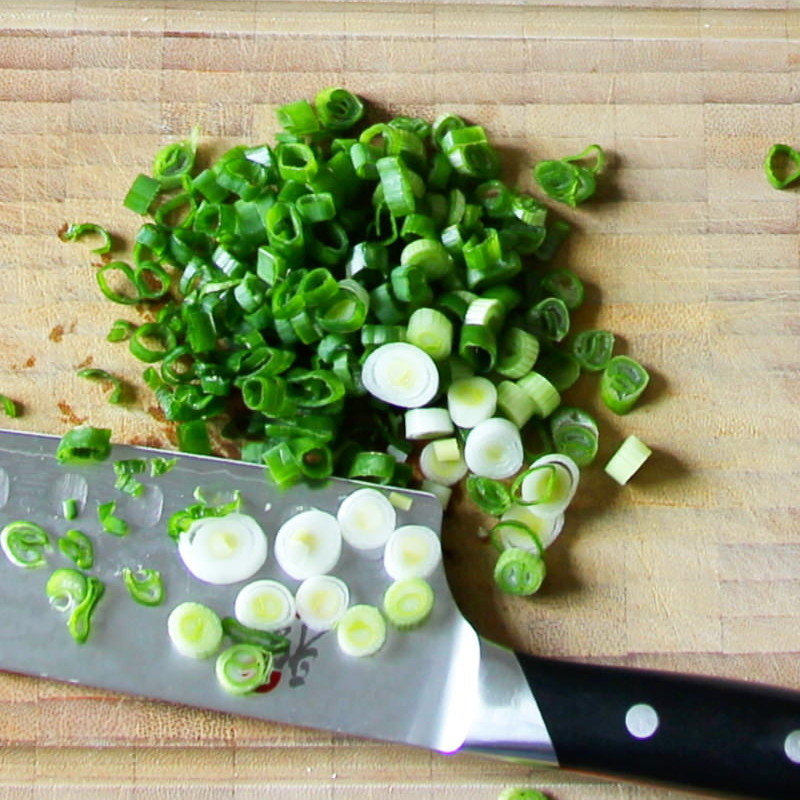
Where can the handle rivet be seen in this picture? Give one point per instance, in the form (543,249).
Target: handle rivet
(791,746)
(641,720)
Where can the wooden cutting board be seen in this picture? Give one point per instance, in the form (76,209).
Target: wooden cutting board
(688,254)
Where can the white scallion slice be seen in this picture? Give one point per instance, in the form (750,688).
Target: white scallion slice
(549,484)
(265,605)
(308,544)
(413,551)
(471,401)
(630,456)
(322,601)
(494,449)
(401,501)
(447,472)
(408,603)
(400,374)
(195,630)
(546,528)
(427,423)
(366,518)
(439,490)
(361,631)
(222,550)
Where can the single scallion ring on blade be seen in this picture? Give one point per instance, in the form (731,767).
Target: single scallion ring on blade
(322,601)
(361,631)
(308,544)
(630,456)
(413,551)
(264,605)
(195,630)
(223,550)
(366,518)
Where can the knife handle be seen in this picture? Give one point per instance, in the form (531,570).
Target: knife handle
(716,736)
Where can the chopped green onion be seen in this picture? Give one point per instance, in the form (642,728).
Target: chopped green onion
(242,668)
(491,496)
(447,471)
(77,547)
(470,401)
(144,585)
(541,391)
(118,387)
(622,383)
(512,532)
(431,331)
(193,437)
(361,631)
(79,623)
(120,331)
(322,601)
(593,349)
(575,434)
(560,367)
(427,423)
(517,353)
(84,445)
(69,508)
(160,466)
(65,588)
(109,522)
(175,160)
(549,319)
(494,449)
(9,406)
(25,543)
(338,109)
(74,232)
(565,285)
(628,459)
(195,630)
(142,194)
(408,603)
(270,641)
(515,403)
(782,165)
(517,793)
(519,572)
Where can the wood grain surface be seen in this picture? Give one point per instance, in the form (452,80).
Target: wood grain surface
(688,254)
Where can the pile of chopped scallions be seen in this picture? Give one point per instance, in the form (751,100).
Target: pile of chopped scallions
(360,298)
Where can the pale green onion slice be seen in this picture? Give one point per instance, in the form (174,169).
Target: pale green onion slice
(400,374)
(401,501)
(542,392)
(408,603)
(494,449)
(630,456)
(448,472)
(413,551)
(222,550)
(545,529)
(366,518)
(486,312)
(242,668)
(471,401)
(515,403)
(195,630)
(549,490)
(322,601)
(427,423)
(361,631)
(441,492)
(447,449)
(431,331)
(308,544)
(265,605)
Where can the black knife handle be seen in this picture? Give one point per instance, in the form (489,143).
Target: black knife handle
(715,736)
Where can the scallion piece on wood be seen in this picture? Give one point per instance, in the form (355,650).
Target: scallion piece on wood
(623,381)
(782,165)
(593,349)
(628,459)
(491,496)
(519,572)
(103,376)
(84,445)
(120,331)
(142,194)
(9,406)
(575,434)
(74,232)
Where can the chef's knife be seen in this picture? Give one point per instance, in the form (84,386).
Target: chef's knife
(441,687)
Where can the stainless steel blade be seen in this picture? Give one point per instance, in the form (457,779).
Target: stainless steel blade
(421,688)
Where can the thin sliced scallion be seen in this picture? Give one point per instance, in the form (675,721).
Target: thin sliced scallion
(65,588)
(541,391)
(270,641)
(322,601)
(79,623)
(575,434)
(544,530)
(519,572)
(548,485)
(782,165)
(427,423)
(144,585)
(264,605)
(73,232)
(109,521)
(413,551)
(84,445)
(447,472)
(77,546)
(628,459)
(431,331)
(195,630)
(515,533)
(441,492)
(242,668)
(622,383)
(366,518)
(517,353)
(361,631)
(25,544)
(408,603)
(308,544)
(470,401)
(593,349)
(70,508)
(126,471)
(489,495)
(494,449)
(400,374)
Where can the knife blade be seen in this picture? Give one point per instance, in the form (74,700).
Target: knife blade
(442,686)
